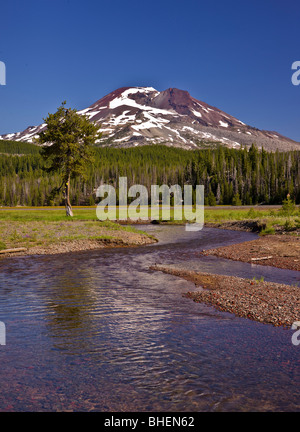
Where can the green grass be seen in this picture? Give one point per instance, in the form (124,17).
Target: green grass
(2,245)
(43,227)
(52,214)
(105,237)
(268,217)
(225,215)
(267,231)
(262,279)
(47,214)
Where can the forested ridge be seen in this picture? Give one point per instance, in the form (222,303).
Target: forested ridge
(230,176)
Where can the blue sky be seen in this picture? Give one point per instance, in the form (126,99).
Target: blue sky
(235,55)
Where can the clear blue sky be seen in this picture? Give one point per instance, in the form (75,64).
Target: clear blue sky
(235,55)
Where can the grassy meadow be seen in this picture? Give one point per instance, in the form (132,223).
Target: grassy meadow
(28,227)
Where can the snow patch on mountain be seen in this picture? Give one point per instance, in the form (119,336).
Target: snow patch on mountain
(223,124)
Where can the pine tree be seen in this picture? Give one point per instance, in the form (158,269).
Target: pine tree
(69,137)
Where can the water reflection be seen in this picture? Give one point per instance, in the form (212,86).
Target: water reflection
(70,304)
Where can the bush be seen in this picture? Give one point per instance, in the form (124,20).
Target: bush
(269,230)
(251,214)
(288,225)
(297,223)
(236,201)
(288,206)
(211,199)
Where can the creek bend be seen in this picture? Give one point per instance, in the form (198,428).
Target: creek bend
(99,331)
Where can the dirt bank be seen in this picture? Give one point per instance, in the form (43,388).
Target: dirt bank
(243,225)
(266,302)
(281,251)
(252,226)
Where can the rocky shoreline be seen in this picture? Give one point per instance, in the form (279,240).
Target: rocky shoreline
(282,251)
(265,302)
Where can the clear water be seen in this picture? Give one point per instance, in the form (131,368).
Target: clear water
(99,331)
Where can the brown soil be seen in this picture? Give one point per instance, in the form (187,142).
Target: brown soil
(281,251)
(266,302)
(243,225)
(251,226)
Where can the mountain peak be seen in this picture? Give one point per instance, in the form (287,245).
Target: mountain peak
(132,116)
(174,99)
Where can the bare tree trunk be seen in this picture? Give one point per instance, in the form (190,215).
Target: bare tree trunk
(69,211)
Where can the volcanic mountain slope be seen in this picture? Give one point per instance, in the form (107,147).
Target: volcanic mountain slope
(132,116)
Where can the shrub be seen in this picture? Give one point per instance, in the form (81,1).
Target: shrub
(236,201)
(251,214)
(288,206)
(288,225)
(267,231)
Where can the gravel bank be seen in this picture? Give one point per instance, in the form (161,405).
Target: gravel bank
(266,302)
(282,251)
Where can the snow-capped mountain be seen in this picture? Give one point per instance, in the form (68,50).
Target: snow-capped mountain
(132,116)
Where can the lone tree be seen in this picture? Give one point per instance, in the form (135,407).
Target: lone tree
(68,141)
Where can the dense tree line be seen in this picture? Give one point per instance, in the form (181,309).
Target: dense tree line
(230,176)
(17,147)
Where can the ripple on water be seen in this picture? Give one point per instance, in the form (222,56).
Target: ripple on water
(99,331)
